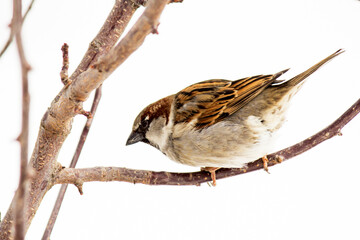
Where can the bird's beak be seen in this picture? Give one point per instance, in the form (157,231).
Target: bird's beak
(135,137)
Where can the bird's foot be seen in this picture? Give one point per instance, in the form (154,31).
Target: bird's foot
(212,171)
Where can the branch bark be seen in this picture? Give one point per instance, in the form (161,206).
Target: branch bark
(73,163)
(106,174)
(57,121)
(21,194)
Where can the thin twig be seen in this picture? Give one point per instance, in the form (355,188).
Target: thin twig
(24,135)
(7,44)
(64,75)
(105,174)
(73,163)
(28,10)
(11,35)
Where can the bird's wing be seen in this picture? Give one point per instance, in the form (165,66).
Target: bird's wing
(211,101)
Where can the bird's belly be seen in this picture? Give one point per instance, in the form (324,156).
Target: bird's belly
(225,144)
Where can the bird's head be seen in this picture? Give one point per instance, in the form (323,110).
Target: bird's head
(150,126)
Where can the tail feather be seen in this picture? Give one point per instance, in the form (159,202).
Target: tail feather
(299,78)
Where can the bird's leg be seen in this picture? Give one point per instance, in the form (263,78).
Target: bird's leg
(265,162)
(212,171)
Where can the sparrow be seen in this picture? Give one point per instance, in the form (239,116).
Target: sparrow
(220,123)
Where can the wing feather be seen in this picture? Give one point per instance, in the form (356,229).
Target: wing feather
(212,101)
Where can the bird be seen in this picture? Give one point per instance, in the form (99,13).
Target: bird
(220,123)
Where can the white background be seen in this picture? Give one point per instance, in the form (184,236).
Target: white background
(313,196)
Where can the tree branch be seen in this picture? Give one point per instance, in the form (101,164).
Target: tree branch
(21,192)
(105,174)
(57,121)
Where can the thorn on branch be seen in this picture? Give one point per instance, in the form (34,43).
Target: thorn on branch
(64,75)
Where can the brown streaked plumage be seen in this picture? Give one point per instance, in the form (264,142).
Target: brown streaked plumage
(220,123)
(157,109)
(211,101)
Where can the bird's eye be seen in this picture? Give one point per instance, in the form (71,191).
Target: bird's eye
(144,124)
